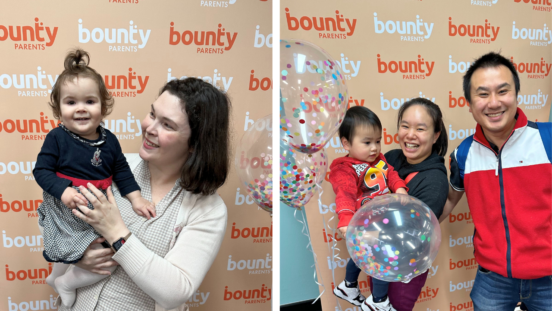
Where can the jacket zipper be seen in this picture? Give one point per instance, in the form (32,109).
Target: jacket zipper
(498,173)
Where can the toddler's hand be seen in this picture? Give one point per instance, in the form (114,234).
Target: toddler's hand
(343,231)
(143,208)
(404,199)
(72,197)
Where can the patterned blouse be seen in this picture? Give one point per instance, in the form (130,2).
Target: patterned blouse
(119,292)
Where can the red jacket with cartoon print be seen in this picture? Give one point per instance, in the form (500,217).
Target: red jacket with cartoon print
(355,182)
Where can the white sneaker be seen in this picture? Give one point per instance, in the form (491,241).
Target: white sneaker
(349,294)
(370,305)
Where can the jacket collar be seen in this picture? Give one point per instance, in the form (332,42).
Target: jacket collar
(521,122)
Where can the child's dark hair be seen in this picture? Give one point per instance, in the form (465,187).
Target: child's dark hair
(76,66)
(208,110)
(355,117)
(441,145)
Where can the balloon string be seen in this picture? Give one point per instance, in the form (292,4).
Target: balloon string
(331,248)
(305,231)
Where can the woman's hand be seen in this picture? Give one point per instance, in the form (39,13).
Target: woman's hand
(105,217)
(97,259)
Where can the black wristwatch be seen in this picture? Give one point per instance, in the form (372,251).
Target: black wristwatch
(119,243)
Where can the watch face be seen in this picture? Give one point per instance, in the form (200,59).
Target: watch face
(118,244)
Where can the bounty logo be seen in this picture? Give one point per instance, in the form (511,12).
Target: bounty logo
(262,40)
(221,40)
(538,70)
(341,263)
(463,306)
(534,101)
(467,241)
(467,264)
(459,134)
(216,79)
(15,168)
(350,68)
(257,234)
(216,4)
(120,127)
(257,295)
(36,37)
(129,39)
(126,85)
(457,67)
(462,285)
(260,126)
(27,127)
(44,304)
(485,33)
(37,275)
(396,103)
(344,26)
(16,206)
(483,3)
(537,37)
(408,30)
(413,69)
(254,266)
(428,294)
(198,299)
(457,102)
(543,5)
(29,84)
(33,242)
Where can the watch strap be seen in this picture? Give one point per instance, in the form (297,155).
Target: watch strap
(119,243)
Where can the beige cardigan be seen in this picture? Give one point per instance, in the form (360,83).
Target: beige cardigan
(172,280)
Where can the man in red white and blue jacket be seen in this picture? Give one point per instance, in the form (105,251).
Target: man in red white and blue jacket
(506,172)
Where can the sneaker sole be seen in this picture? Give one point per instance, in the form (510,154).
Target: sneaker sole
(339,294)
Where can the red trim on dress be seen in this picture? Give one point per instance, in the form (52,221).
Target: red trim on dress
(100,184)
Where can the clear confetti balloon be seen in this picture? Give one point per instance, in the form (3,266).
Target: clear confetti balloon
(391,241)
(253,162)
(313,95)
(299,174)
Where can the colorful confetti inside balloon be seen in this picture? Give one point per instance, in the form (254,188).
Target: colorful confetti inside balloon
(313,94)
(401,246)
(300,174)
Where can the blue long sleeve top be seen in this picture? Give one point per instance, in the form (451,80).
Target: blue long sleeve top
(64,154)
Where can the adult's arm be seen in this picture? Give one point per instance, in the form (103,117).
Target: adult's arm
(172,280)
(456,185)
(452,199)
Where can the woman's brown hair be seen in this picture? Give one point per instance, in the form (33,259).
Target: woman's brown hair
(76,66)
(208,110)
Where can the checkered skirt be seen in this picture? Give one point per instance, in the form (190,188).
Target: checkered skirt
(66,237)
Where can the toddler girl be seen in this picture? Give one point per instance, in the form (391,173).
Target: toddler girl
(78,152)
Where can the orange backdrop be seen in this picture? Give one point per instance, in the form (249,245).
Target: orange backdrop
(369,39)
(137,46)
